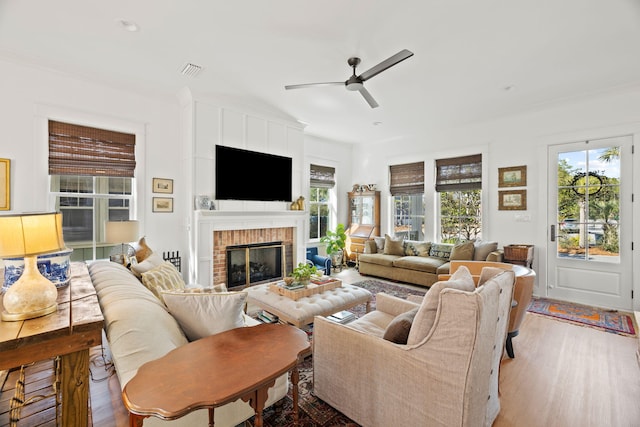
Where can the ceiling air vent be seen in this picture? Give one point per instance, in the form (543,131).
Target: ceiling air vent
(191,70)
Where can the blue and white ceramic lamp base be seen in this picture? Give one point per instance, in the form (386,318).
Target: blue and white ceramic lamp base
(56,267)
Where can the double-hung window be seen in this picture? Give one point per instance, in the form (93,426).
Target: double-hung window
(407,189)
(322,182)
(92,179)
(459,186)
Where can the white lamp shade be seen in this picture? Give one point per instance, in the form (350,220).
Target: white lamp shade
(30,234)
(121,231)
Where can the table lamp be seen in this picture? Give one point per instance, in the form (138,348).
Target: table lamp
(120,232)
(30,235)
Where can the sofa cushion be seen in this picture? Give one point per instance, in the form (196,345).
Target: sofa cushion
(462,251)
(398,330)
(393,245)
(379,244)
(416,248)
(379,259)
(426,316)
(161,278)
(440,250)
(202,313)
(419,263)
(483,249)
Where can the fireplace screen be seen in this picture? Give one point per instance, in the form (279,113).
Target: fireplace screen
(255,263)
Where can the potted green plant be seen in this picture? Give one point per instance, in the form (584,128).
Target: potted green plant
(303,272)
(336,242)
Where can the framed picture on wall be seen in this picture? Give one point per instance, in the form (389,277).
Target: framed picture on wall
(5,184)
(512,200)
(162,185)
(163,204)
(512,177)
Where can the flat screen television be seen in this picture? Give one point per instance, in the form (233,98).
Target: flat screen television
(250,175)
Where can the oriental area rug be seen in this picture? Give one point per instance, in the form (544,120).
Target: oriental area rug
(312,411)
(606,320)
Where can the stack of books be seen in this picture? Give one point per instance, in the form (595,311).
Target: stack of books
(342,317)
(266,317)
(294,285)
(321,280)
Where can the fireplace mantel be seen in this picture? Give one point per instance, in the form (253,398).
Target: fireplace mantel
(206,222)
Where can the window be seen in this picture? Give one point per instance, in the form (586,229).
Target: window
(407,190)
(91,177)
(459,184)
(321,184)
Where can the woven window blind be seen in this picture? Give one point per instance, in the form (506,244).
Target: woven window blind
(82,150)
(406,179)
(459,173)
(323,176)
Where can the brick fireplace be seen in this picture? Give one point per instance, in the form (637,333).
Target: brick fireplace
(215,230)
(226,238)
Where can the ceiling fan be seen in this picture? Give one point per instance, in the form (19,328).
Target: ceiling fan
(357,82)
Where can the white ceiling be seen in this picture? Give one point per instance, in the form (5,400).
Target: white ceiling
(466,53)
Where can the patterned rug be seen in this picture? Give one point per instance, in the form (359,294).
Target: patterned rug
(606,320)
(312,411)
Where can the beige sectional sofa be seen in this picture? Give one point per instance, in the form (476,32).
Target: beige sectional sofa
(417,262)
(139,328)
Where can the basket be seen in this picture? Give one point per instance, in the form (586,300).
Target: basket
(518,252)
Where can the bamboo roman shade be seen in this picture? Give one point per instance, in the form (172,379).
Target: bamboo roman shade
(459,173)
(82,150)
(406,179)
(322,176)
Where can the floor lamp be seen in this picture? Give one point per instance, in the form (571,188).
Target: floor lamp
(30,235)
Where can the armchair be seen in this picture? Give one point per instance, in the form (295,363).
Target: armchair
(447,377)
(321,262)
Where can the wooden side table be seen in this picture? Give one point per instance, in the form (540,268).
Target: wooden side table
(69,332)
(241,363)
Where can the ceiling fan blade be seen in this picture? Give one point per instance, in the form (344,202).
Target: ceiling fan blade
(367,96)
(387,63)
(313,85)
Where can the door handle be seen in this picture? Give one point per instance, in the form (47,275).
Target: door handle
(553,233)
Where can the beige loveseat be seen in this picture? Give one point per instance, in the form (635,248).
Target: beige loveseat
(419,263)
(139,329)
(446,374)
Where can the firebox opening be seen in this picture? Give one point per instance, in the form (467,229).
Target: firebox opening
(255,263)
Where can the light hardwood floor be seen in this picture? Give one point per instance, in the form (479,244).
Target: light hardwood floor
(562,375)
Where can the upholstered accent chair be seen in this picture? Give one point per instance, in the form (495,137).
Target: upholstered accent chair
(322,263)
(446,374)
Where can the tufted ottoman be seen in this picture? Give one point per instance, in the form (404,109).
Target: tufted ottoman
(301,312)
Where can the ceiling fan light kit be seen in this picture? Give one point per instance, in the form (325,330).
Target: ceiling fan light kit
(355,82)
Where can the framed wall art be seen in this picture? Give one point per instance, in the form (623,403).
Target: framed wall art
(162,185)
(5,184)
(163,204)
(512,200)
(512,177)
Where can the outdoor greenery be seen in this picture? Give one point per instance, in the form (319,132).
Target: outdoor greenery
(460,216)
(318,212)
(589,207)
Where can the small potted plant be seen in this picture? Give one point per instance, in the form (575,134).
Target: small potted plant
(303,272)
(336,242)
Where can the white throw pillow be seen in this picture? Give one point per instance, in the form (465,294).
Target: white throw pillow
(201,314)
(152,261)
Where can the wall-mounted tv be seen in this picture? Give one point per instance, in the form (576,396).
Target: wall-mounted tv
(250,175)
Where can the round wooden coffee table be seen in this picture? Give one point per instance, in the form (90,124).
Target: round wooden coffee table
(241,363)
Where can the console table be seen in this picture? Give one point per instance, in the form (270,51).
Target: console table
(69,332)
